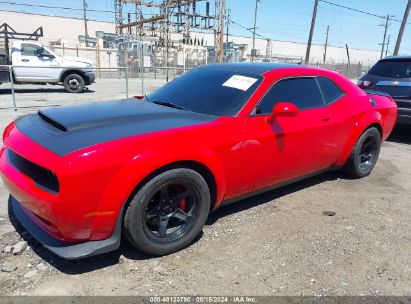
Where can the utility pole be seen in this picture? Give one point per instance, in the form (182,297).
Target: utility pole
(401,32)
(349,60)
(228,25)
(385,35)
(310,38)
(326,44)
(221,42)
(388,44)
(254,29)
(85,20)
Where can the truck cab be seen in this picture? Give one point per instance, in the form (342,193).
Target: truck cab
(36,64)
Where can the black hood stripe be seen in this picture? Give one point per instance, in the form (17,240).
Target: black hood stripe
(64,130)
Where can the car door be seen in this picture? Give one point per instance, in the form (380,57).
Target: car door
(33,66)
(289,147)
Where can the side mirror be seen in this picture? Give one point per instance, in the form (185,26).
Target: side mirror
(44,55)
(285,109)
(49,56)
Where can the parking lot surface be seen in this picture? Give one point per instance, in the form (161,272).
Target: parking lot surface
(278,243)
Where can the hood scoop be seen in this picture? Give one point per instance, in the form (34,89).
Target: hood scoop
(52,122)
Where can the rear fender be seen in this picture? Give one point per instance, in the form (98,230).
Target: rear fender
(359,126)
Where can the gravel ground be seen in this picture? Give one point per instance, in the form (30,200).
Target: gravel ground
(278,243)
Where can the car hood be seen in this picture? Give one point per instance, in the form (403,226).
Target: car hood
(73,60)
(64,130)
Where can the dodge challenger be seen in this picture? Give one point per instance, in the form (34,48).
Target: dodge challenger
(152,168)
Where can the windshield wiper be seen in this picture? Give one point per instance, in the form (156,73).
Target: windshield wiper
(171,105)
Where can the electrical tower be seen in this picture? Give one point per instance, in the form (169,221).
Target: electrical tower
(171,16)
(168,18)
(118,18)
(269,50)
(218,27)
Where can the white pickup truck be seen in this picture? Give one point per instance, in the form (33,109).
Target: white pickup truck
(35,64)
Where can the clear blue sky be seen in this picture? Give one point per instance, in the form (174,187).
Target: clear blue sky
(277,19)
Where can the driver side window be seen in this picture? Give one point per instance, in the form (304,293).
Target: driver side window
(30,49)
(303,92)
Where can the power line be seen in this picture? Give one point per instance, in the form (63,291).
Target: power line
(352,9)
(359,11)
(247,29)
(60,7)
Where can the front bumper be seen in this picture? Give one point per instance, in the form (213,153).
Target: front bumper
(404,116)
(91,77)
(66,250)
(404,111)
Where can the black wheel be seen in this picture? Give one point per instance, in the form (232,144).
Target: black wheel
(364,154)
(74,83)
(168,212)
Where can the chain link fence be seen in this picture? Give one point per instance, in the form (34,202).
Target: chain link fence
(130,80)
(110,83)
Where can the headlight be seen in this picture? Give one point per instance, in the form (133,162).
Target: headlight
(7,131)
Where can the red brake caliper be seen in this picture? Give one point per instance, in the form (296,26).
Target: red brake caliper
(183,204)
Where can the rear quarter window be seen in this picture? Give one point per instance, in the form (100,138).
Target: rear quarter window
(331,92)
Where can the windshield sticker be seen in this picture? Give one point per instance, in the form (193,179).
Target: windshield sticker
(240,82)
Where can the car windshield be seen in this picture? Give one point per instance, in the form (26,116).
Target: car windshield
(392,69)
(208,91)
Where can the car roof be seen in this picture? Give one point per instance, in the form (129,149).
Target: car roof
(256,68)
(397,58)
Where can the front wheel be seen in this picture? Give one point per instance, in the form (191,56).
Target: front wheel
(365,154)
(74,83)
(168,212)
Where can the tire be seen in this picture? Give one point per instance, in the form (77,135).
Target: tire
(74,83)
(166,200)
(365,154)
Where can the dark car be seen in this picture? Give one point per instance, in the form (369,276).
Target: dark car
(392,75)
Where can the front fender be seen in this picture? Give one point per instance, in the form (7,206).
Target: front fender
(360,124)
(142,165)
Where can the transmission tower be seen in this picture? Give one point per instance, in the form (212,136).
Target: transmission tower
(269,50)
(118,9)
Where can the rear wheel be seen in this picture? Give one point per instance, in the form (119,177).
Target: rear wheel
(365,154)
(74,83)
(168,212)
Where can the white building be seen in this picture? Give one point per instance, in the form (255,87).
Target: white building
(68,29)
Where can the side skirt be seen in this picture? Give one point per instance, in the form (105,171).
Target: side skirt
(276,186)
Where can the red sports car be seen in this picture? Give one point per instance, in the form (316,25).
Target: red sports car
(155,167)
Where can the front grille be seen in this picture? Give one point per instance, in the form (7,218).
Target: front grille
(42,177)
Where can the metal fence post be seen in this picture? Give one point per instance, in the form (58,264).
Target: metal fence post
(126,82)
(142,68)
(12,88)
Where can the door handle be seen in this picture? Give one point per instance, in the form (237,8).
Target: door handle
(25,60)
(326,118)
